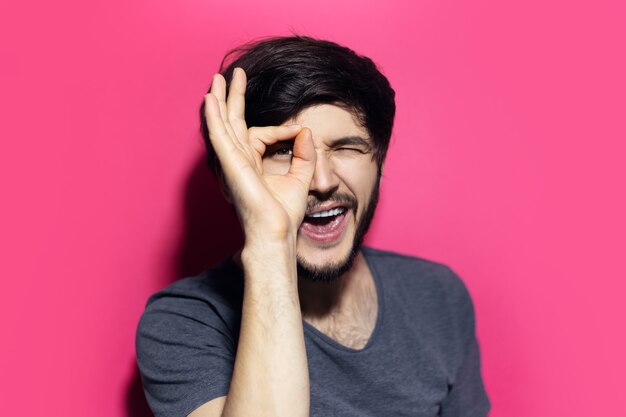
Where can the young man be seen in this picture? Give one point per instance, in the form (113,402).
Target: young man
(304,321)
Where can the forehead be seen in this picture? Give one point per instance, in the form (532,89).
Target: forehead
(328,122)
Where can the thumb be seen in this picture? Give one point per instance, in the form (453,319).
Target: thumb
(304,156)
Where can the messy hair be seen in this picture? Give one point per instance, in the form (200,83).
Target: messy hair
(288,74)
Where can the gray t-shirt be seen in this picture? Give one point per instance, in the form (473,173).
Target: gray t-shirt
(422,358)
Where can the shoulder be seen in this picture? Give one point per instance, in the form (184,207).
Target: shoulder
(395,259)
(220,287)
(428,288)
(415,271)
(187,339)
(193,306)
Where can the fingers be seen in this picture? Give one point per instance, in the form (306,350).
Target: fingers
(236,103)
(218,89)
(218,134)
(273,134)
(304,157)
(260,137)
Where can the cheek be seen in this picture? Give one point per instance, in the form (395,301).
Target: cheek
(359,177)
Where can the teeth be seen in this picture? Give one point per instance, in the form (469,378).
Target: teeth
(328,213)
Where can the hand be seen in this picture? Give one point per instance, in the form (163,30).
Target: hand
(268,206)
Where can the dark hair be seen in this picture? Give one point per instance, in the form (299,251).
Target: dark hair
(288,74)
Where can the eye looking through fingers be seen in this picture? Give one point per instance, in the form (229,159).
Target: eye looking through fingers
(280,151)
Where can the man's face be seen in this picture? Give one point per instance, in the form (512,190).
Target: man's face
(343,193)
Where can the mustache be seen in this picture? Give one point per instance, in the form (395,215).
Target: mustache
(342,199)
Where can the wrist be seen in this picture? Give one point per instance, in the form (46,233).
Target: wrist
(265,244)
(269,254)
(261,231)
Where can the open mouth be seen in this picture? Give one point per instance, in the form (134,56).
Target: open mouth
(326,215)
(325,226)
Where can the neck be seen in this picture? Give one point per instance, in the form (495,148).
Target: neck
(348,293)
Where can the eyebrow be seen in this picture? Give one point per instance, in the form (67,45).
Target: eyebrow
(350,140)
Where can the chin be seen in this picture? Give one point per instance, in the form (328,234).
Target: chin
(330,270)
(326,262)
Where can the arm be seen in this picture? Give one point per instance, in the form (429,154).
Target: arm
(270,375)
(467,395)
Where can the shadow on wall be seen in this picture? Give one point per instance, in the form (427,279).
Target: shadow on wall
(211,234)
(212,231)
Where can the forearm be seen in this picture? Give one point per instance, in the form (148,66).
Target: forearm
(270,376)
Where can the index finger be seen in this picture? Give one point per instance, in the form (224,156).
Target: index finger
(218,134)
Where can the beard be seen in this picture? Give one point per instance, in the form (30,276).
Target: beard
(332,271)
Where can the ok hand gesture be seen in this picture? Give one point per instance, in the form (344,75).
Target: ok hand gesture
(268,206)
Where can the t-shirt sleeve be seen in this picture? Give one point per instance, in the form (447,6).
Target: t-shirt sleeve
(185,353)
(467,396)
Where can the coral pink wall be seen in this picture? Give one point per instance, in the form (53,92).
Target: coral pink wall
(507,163)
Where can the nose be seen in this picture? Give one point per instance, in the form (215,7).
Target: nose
(324,181)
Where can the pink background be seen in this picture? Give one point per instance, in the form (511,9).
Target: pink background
(507,163)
